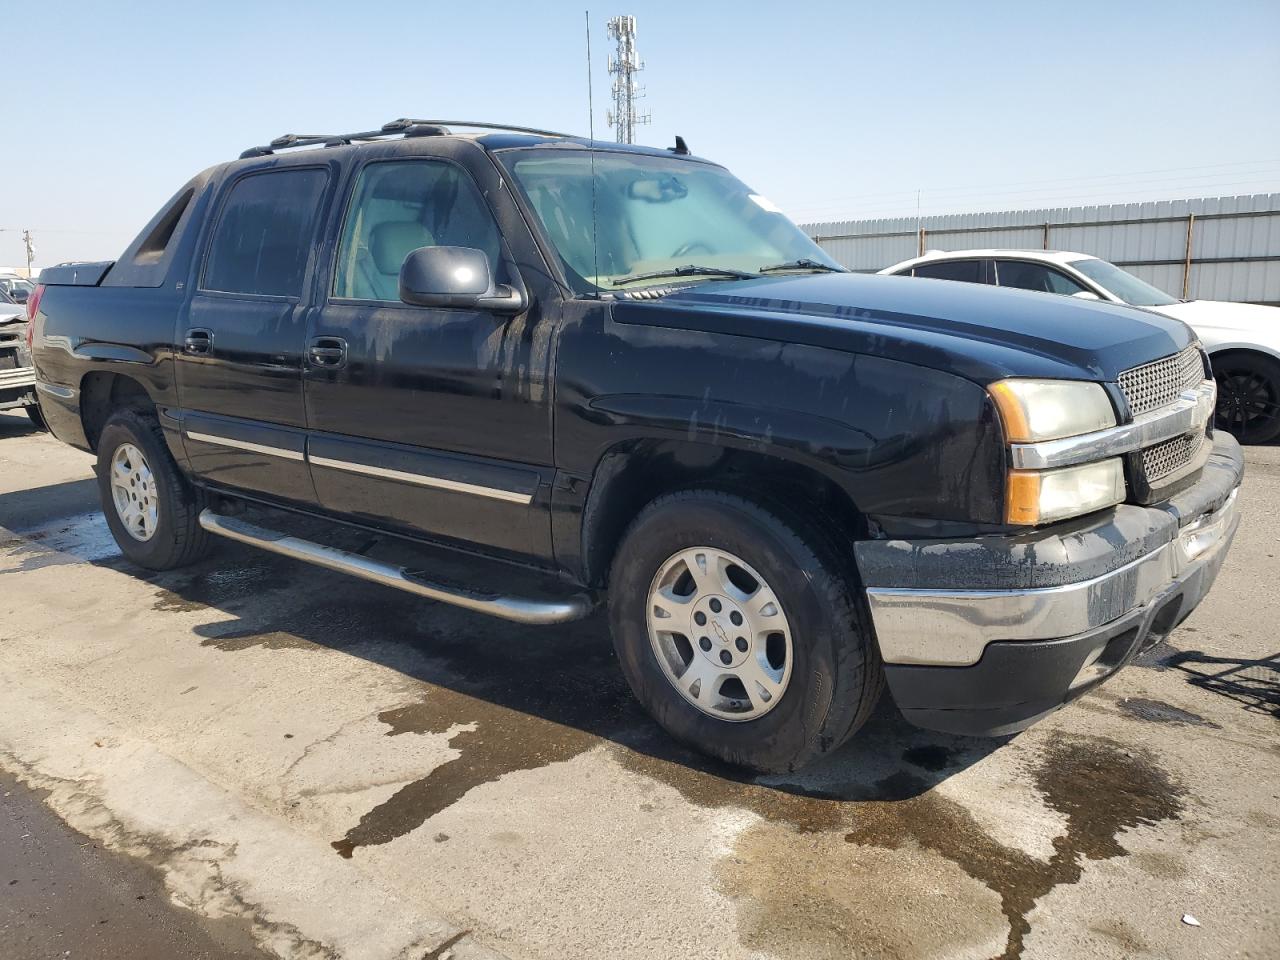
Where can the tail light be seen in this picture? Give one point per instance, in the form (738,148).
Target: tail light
(33,306)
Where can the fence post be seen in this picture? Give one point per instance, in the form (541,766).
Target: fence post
(1186,262)
(1045,244)
(920,251)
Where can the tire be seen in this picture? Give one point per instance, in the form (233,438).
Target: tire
(37,418)
(1248,395)
(175,536)
(835,676)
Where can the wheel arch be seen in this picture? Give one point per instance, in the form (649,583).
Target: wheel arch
(1243,346)
(632,474)
(102,393)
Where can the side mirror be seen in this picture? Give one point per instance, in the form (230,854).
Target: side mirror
(455,277)
(1086,295)
(19,295)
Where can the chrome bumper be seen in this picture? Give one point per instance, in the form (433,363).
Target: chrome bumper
(19,377)
(954,627)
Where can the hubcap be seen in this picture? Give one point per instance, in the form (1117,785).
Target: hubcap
(133,489)
(720,634)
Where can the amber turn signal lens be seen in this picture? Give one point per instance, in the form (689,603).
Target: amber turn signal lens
(1022,497)
(1013,414)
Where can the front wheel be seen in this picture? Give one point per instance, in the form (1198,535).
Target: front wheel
(151,508)
(1248,396)
(743,636)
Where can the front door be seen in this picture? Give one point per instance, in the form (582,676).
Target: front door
(432,420)
(240,347)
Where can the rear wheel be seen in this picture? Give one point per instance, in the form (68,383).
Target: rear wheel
(1248,396)
(151,508)
(740,632)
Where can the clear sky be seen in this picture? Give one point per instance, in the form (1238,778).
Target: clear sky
(835,110)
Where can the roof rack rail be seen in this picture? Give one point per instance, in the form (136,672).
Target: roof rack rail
(403,123)
(404,126)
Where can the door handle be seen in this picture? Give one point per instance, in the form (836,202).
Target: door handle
(198,340)
(328,352)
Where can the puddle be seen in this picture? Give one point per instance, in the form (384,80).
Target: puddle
(1156,711)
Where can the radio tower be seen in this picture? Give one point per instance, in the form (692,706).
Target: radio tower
(624,66)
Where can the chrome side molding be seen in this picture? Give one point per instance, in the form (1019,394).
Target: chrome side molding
(519,609)
(235,444)
(1191,411)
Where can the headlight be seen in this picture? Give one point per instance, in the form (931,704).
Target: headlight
(1042,496)
(1033,410)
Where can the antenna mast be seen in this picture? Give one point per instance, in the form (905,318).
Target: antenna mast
(624,65)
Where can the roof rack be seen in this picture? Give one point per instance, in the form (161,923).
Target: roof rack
(404,127)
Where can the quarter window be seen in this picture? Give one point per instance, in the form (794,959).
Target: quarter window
(265,234)
(1035,276)
(399,206)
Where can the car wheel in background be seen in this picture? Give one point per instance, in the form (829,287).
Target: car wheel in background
(151,508)
(1248,395)
(740,632)
(37,418)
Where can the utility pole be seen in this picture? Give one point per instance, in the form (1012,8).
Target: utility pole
(26,241)
(624,65)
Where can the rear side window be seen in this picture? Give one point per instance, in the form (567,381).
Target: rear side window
(1035,276)
(970,271)
(265,233)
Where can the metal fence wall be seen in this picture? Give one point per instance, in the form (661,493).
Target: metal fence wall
(1219,248)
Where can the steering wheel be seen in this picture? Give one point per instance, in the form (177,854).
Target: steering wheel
(692,246)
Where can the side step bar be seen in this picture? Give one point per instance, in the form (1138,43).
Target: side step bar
(518,609)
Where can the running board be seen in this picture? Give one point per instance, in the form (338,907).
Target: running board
(519,609)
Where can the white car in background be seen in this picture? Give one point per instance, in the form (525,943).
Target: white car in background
(1242,339)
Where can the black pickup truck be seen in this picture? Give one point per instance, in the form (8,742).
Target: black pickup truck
(623,368)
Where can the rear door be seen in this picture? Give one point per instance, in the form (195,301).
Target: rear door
(240,348)
(433,420)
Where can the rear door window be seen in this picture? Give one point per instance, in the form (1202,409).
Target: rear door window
(265,233)
(1034,276)
(969,271)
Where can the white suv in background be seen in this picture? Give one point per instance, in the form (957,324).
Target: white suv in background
(1243,339)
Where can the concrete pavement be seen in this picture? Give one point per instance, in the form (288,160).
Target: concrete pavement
(349,771)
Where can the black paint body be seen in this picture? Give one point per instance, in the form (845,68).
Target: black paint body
(863,394)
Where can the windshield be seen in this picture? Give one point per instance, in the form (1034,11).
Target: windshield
(1123,284)
(653,216)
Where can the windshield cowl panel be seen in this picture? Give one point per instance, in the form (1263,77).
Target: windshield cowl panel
(623,220)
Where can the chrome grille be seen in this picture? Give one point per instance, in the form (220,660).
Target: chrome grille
(1153,385)
(1164,459)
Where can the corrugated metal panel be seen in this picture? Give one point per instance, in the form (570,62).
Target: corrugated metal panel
(1237,237)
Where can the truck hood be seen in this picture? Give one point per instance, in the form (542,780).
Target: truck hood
(979,332)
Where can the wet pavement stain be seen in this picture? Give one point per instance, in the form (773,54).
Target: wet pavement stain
(219,586)
(928,756)
(1157,711)
(500,741)
(1098,786)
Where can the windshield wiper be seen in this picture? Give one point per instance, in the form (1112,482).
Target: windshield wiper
(692,270)
(804,263)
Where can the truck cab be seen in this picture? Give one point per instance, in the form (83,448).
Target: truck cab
(622,370)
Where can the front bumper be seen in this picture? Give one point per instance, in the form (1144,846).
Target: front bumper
(985,636)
